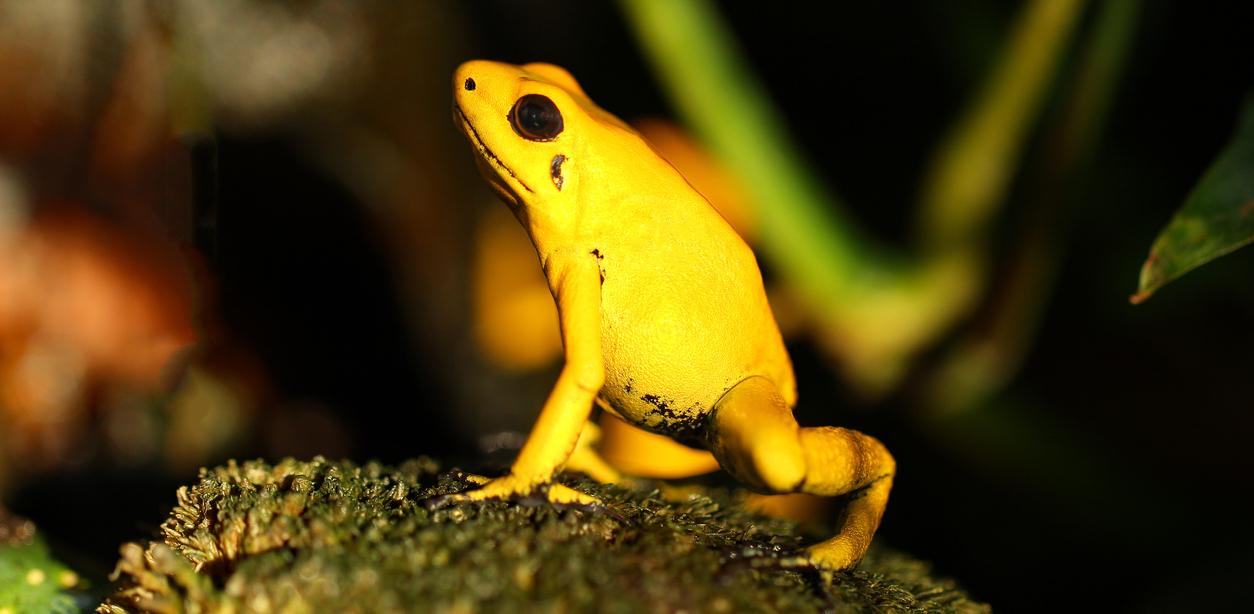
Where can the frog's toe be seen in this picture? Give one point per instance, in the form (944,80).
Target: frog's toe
(512,489)
(838,554)
(475,478)
(565,495)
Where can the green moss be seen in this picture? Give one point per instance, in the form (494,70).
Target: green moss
(326,536)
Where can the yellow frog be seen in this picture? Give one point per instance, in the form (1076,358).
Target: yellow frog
(664,319)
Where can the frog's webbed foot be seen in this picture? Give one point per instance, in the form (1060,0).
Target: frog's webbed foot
(512,488)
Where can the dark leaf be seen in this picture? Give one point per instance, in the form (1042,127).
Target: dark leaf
(1217,217)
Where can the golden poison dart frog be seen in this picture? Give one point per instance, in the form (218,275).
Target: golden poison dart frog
(663,315)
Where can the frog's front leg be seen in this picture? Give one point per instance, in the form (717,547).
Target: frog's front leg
(577,289)
(755,437)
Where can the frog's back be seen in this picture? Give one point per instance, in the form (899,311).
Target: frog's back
(684,313)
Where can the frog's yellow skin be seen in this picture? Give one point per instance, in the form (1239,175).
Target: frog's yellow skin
(663,315)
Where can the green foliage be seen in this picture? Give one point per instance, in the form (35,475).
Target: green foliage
(1217,217)
(875,307)
(31,581)
(337,537)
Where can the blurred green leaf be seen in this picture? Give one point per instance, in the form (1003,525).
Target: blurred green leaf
(1217,217)
(31,581)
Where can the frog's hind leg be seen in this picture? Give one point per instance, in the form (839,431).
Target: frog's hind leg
(616,452)
(639,453)
(585,458)
(754,437)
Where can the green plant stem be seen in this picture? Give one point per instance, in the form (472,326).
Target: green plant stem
(975,164)
(988,356)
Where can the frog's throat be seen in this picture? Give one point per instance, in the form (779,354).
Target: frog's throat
(483,148)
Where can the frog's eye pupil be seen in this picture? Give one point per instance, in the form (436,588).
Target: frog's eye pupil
(536,118)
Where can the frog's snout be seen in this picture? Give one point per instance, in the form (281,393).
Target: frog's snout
(469,75)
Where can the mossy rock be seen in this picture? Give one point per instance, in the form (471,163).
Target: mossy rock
(325,536)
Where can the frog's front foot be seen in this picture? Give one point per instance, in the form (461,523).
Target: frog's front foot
(510,488)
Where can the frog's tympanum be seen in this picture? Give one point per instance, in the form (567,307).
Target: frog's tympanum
(663,315)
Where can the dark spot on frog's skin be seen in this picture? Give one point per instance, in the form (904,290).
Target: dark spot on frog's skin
(555,170)
(627,386)
(469,84)
(600,258)
(687,426)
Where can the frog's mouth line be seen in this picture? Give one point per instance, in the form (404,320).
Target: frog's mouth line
(483,148)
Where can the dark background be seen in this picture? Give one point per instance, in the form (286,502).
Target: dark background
(1111,475)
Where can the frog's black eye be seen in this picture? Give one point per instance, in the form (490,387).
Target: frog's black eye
(536,118)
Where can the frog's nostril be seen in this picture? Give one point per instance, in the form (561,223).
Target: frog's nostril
(470,84)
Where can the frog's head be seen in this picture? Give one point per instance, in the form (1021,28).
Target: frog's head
(536,134)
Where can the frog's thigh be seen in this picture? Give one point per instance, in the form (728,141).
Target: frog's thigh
(755,437)
(640,453)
